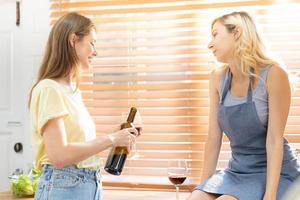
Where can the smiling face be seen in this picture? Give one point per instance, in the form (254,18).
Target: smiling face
(222,43)
(86,50)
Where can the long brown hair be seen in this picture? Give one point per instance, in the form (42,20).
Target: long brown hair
(60,59)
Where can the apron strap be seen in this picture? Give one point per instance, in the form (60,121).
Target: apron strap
(249,93)
(228,85)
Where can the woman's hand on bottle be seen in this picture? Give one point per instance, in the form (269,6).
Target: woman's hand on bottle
(125,137)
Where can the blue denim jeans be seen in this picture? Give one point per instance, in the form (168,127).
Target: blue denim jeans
(69,183)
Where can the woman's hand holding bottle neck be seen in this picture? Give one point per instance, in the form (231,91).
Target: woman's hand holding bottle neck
(125,137)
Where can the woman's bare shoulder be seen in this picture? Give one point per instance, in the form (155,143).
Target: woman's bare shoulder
(217,74)
(275,71)
(277,78)
(276,75)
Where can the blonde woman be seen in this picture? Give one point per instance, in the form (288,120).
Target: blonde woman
(63,130)
(249,102)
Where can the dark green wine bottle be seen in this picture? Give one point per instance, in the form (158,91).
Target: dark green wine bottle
(117,156)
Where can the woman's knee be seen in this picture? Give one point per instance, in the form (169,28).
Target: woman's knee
(226,197)
(198,194)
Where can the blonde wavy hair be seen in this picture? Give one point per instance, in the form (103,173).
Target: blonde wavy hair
(249,47)
(60,59)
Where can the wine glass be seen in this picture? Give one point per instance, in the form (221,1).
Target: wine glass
(137,123)
(177,173)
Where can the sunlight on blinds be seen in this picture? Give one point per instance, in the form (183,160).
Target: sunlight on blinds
(153,55)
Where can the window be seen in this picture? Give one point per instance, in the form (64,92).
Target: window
(153,55)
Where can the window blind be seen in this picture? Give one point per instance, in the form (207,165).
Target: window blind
(152,54)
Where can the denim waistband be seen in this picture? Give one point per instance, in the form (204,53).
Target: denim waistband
(88,173)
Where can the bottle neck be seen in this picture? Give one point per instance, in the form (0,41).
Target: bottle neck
(126,125)
(131,115)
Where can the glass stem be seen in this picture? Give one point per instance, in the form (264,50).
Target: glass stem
(177,192)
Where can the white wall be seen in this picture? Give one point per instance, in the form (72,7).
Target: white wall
(26,46)
(35,20)
(20,54)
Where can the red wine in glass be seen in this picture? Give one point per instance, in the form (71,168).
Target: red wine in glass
(177,179)
(177,171)
(139,129)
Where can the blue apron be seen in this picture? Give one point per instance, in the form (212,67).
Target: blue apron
(245,175)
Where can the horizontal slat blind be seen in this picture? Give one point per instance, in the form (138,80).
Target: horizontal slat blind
(153,55)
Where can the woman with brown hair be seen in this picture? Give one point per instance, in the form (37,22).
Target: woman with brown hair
(63,131)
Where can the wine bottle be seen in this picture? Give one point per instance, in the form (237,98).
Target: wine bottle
(117,156)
